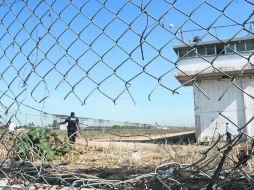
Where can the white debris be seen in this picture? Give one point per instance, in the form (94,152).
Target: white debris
(134,157)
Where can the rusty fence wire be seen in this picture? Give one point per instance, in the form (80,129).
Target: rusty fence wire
(82,48)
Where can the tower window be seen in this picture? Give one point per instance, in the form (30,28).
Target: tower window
(230,48)
(220,49)
(201,50)
(210,50)
(240,46)
(249,45)
(182,53)
(192,52)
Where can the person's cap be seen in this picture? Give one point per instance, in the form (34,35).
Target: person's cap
(72,113)
(227,123)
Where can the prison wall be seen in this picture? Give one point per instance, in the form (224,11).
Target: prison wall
(248,86)
(218,96)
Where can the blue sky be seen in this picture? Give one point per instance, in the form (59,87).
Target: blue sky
(98,42)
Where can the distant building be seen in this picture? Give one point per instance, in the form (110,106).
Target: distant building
(195,63)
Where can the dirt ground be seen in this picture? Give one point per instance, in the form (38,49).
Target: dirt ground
(124,160)
(108,159)
(121,160)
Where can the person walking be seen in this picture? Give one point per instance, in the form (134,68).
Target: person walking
(228,133)
(73,127)
(11,127)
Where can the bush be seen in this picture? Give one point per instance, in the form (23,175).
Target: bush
(41,142)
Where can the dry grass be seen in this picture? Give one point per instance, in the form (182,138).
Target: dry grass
(134,155)
(139,158)
(98,156)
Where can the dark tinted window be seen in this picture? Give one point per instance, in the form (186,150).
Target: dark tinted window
(249,45)
(210,50)
(191,52)
(240,46)
(220,49)
(230,48)
(182,53)
(201,50)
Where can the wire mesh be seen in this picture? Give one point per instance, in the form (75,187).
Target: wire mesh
(82,48)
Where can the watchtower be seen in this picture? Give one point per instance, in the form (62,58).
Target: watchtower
(211,65)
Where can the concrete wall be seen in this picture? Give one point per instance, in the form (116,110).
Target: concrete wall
(248,86)
(231,63)
(235,105)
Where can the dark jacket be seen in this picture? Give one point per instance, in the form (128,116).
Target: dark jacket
(72,123)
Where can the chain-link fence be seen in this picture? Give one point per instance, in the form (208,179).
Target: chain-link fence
(80,49)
